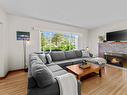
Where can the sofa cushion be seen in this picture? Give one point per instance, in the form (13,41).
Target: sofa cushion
(78,53)
(35,57)
(63,63)
(30,64)
(42,75)
(43,58)
(58,55)
(70,54)
(36,61)
(60,72)
(68,62)
(71,61)
(54,68)
(49,59)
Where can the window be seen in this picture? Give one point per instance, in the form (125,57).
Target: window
(51,41)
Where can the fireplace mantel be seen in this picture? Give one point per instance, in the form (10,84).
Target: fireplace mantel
(112,47)
(119,43)
(123,55)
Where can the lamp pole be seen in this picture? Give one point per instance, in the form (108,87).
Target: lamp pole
(24,48)
(24,36)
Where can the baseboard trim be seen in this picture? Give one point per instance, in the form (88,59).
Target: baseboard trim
(10,72)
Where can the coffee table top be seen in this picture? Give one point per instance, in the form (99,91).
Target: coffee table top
(79,71)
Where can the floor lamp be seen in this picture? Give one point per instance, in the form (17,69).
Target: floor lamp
(25,39)
(24,48)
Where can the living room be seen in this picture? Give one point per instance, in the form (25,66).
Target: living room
(78,30)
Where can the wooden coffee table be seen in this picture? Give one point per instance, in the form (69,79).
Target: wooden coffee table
(79,72)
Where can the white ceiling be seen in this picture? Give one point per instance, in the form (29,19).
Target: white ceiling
(82,13)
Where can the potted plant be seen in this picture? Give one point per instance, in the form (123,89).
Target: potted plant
(101,39)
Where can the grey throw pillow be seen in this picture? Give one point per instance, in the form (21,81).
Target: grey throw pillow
(78,53)
(42,75)
(36,61)
(85,54)
(43,58)
(35,57)
(58,55)
(49,59)
(32,62)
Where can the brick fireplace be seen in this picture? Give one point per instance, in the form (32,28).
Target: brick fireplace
(114,52)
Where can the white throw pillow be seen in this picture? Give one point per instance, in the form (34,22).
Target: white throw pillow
(43,58)
(85,54)
(49,58)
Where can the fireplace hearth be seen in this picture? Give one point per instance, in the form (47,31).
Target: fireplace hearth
(114,52)
(115,58)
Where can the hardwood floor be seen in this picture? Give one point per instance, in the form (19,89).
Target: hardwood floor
(14,84)
(113,82)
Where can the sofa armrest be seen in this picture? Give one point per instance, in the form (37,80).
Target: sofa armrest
(49,90)
(68,84)
(31,83)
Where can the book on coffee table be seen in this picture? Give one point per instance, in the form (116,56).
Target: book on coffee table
(85,66)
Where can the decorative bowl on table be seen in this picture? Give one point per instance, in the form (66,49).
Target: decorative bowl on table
(84,64)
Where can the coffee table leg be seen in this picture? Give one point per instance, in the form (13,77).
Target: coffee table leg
(78,77)
(100,73)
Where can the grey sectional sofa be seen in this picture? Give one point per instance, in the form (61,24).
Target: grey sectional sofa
(42,78)
(48,66)
(65,58)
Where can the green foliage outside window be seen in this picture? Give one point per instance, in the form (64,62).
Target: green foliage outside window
(56,42)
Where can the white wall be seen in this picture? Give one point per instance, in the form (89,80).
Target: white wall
(3,43)
(17,23)
(100,31)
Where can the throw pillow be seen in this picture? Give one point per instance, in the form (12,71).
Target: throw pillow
(33,61)
(49,59)
(43,58)
(78,53)
(85,54)
(42,75)
(35,57)
(36,61)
